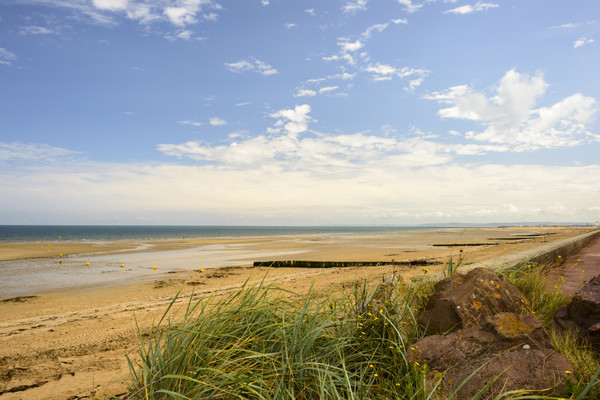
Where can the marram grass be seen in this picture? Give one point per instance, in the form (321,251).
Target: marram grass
(263,342)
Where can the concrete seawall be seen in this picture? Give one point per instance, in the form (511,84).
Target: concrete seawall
(548,253)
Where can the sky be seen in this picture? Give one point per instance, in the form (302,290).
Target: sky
(303,112)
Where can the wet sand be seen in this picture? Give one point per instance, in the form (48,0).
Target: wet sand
(72,342)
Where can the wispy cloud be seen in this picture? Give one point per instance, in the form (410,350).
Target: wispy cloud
(582,42)
(35,30)
(410,6)
(355,5)
(31,152)
(217,121)
(305,92)
(105,12)
(251,65)
(192,123)
(468,9)
(7,57)
(328,89)
(569,25)
(384,72)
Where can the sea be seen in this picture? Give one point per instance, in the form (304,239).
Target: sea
(26,277)
(29,233)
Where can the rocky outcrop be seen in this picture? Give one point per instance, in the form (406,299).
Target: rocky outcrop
(582,314)
(506,351)
(463,301)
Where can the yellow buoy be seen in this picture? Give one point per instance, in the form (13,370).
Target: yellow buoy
(122,265)
(87,264)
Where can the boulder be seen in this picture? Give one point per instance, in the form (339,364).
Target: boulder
(462,301)
(582,314)
(507,352)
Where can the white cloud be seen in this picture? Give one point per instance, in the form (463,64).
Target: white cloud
(211,16)
(217,121)
(305,92)
(35,30)
(468,9)
(310,11)
(265,2)
(377,27)
(31,152)
(111,5)
(366,191)
(244,103)
(355,5)
(400,21)
(351,46)
(315,154)
(582,42)
(385,72)
(410,7)
(328,89)
(180,16)
(343,76)
(510,117)
(290,25)
(180,13)
(381,69)
(185,35)
(192,123)
(7,57)
(251,65)
(570,25)
(414,83)
(293,121)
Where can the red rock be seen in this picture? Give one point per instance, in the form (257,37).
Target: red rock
(462,301)
(513,350)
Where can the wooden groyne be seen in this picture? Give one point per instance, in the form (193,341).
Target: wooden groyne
(337,264)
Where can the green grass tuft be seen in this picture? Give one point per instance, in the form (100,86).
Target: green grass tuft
(264,342)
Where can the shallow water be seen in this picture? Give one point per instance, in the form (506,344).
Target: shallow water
(29,276)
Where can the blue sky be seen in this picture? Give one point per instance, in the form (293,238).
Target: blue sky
(273,112)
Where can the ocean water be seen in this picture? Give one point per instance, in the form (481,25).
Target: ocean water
(21,233)
(30,276)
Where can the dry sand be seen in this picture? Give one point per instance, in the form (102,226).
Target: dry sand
(71,344)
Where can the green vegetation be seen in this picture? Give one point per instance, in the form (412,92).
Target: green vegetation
(263,342)
(545,300)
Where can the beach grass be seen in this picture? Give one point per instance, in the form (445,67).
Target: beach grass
(264,342)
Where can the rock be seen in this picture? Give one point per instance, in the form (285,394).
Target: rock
(462,301)
(582,314)
(513,351)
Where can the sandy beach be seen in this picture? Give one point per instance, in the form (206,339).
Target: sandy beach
(71,343)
